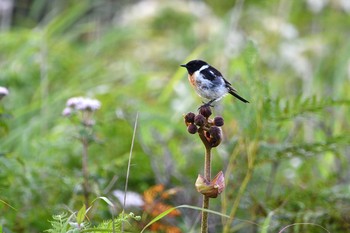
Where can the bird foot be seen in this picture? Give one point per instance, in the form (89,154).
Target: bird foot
(205,105)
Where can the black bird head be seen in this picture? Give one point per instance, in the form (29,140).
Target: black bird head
(194,65)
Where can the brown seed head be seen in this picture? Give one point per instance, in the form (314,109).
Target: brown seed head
(192,129)
(199,120)
(189,117)
(205,111)
(218,121)
(215,132)
(215,136)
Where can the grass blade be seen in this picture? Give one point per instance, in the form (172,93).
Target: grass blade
(105,199)
(7,204)
(165,213)
(128,169)
(296,224)
(266,223)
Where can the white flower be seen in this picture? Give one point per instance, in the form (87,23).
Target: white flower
(293,54)
(83,104)
(67,112)
(288,31)
(316,5)
(74,101)
(277,25)
(345,4)
(296,162)
(133,198)
(92,104)
(3,92)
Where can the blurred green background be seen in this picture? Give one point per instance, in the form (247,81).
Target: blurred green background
(285,155)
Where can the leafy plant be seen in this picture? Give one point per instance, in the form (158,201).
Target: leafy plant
(62,223)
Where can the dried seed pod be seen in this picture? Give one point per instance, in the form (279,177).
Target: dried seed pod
(192,128)
(210,188)
(189,117)
(215,136)
(215,132)
(205,111)
(199,120)
(219,182)
(218,121)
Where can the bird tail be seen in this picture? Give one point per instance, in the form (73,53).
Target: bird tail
(232,92)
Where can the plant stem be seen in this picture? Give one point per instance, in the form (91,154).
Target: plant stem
(85,171)
(204,224)
(207,175)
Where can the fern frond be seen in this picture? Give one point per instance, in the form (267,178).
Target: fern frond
(278,109)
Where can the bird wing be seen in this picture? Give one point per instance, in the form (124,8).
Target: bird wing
(208,74)
(211,74)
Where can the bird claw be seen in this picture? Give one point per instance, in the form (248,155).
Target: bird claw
(205,105)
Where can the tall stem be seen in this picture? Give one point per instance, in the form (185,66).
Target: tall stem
(204,224)
(85,172)
(207,175)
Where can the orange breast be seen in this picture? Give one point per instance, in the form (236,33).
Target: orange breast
(191,79)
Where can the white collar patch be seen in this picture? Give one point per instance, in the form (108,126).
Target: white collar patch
(203,68)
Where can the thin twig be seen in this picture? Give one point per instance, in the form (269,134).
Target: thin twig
(85,171)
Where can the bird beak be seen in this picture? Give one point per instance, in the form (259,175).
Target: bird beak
(183,65)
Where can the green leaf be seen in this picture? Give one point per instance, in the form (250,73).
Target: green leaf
(160,216)
(266,223)
(81,214)
(105,199)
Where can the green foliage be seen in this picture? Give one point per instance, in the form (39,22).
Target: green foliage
(4,117)
(280,109)
(81,215)
(61,223)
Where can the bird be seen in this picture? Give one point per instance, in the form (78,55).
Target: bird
(208,82)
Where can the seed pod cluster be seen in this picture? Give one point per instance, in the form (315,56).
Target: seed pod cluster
(210,127)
